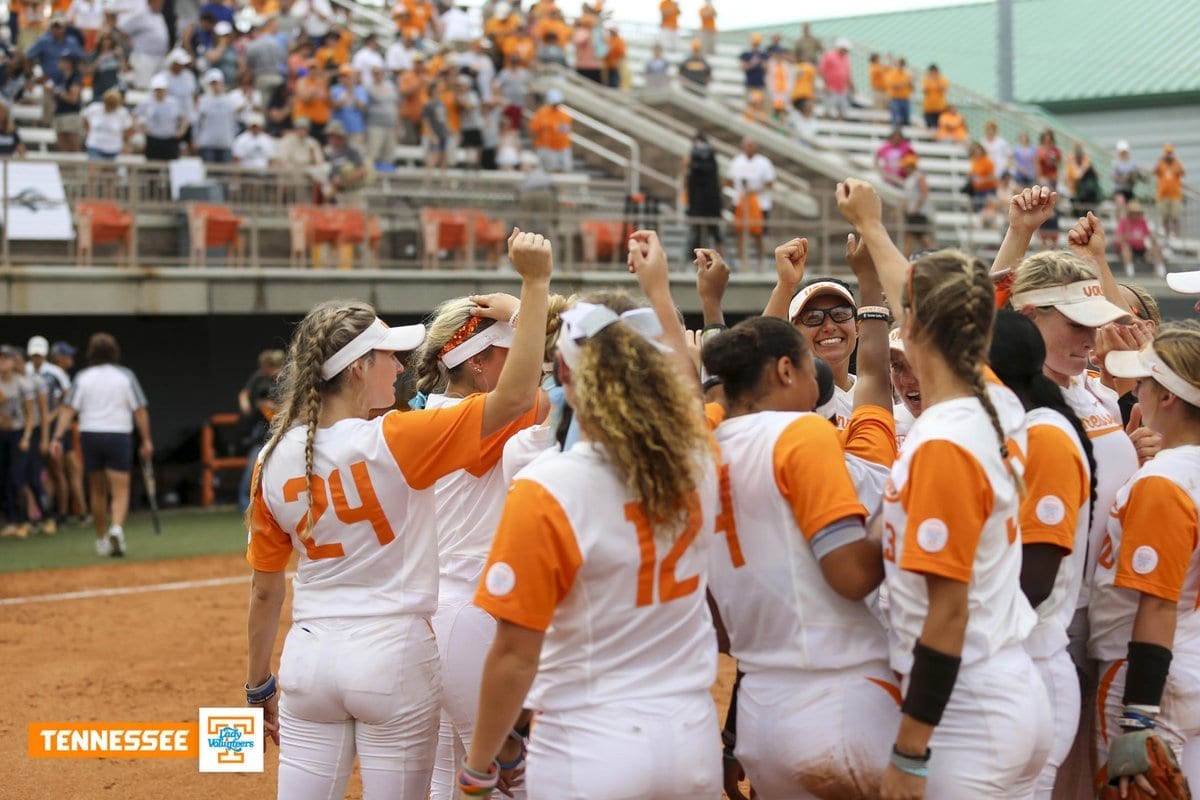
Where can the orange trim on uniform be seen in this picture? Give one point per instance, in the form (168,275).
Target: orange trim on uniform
(1056,488)
(942,532)
(892,689)
(871,435)
(1154,555)
(433,442)
(714,414)
(1106,682)
(492,447)
(1098,432)
(810,472)
(534,559)
(270,547)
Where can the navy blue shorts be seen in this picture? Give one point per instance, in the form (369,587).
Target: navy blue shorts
(103,451)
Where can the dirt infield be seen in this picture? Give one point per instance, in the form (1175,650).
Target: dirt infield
(156,654)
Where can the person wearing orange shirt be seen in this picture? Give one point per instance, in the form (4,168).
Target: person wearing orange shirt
(614,59)
(708,27)
(413,85)
(878,70)
(1169,194)
(804,85)
(519,48)
(669,35)
(551,130)
(899,90)
(983,183)
(312,100)
(951,127)
(933,89)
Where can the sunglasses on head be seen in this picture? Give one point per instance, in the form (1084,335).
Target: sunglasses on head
(815,317)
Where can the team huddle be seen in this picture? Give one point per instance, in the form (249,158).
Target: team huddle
(955,572)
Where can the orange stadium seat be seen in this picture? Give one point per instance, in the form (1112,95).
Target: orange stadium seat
(602,239)
(314,226)
(441,230)
(210,462)
(213,225)
(100,222)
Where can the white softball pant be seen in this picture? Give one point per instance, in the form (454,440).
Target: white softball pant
(1062,686)
(662,749)
(365,687)
(817,734)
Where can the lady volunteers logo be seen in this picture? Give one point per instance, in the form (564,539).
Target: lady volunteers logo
(231,740)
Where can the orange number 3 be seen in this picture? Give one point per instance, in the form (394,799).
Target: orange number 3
(368,510)
(669,588)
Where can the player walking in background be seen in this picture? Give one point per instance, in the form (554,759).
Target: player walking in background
(359,670)
(1145,624)
(597,578)
(1056,513)
(975,716)
(16,438)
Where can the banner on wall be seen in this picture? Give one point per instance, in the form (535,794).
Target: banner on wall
(37,206)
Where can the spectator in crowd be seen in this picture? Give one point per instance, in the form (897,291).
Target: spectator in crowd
(776,45)
(350,100)
(877,72)
(614,58)
(1169,193)
(299,151)
(512,87)
(222,55)
(1134,238)
(951,126)
(413,86)
(470,114)
(779,81)
(265,55)
(366,59)
(702,183)
(311,99)
(216,120)
(479,63)
(751,174)
(807,47)
(182,83)
(668,35)
(454,26)
(383,117)
(253,148)
(200,36)
(1048,162)
(436,125)
(900,89)
(88,17)
(551,129)
(107,64)
(348,172)
(708,28)
(982,184)
(508,146)
(998,151)
(551,50)
(107,125)
(17,77)
(934,87)
(694,71)
(246,98)
(50,48)
(658,70)
(587,60)
(804,123)
(109,402)
(757,108)
(918,222)
(162,121)
(16,439)
(399,55)
(279,109)
(66,92)
(257,403)
(839,85)
(148,41)
(1082,182)
(754,62)
(1125,175)
(10,136)
(889,156)
(804,86)
(1024,157)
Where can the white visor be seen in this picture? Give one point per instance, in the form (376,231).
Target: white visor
(809,292)
(1082,302)
(1184,282)
(1145,363)
(376,336)
(895,342)
(582,321)
(499,334)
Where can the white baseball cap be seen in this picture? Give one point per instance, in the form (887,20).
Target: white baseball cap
(1122,146)
(178,56)
(222,28)
(814,290)
(1082,302)
(376,336)
(1184,282)
(255,118)
(160,81)
(214,76)
(38,346)
(1146,363)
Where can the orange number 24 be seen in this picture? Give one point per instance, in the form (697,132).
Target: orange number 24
(368,509)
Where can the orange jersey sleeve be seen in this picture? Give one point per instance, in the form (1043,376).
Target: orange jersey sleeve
(810,473)
(492,448)
(1056,486)
(871,435)
(943,527)
(435,442)
(1158,537)
(269,547)
(534,559)
(714,414)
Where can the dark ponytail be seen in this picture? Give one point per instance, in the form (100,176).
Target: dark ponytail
(740,355)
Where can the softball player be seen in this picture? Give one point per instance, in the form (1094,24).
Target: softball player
(598,577)
(1145,624)
(905,386)
(975,718)
(789,579)
(1055,517)
(349,493)
(463,355)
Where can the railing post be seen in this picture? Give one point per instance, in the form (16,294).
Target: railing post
(7,221)
(825,232)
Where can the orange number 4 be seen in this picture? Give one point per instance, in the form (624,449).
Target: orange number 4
(669,588)
(368,509)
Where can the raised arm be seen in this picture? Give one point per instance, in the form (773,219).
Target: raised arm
(1087,241)
(874,385)
(648,261)
(790,258)
(859,203)
(712,278)
(1026,213)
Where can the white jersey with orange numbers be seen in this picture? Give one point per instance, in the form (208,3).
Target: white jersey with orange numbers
(1116,458)
(783,482)
(951,510)
(1151,548)
(623,609)
(373,547)
(1054,511)
(469,503)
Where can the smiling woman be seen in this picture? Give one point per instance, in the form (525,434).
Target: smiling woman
(824,312)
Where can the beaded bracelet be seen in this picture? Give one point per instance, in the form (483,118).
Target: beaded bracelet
(478,784)
(513,319)
(257,695)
